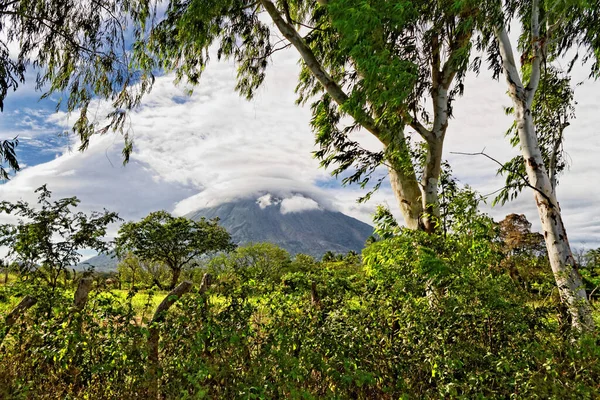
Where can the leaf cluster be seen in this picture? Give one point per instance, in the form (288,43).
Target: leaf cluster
(8,155)
(48,238)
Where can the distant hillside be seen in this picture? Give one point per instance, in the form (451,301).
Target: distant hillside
(100,263)
(297,224)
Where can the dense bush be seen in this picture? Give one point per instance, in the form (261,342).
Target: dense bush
(421,317)
(57,352)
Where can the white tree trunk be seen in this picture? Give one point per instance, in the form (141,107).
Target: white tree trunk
(568,279)
(408,195)
(433,162)
(403,179)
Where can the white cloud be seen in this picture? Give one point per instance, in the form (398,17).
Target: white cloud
(267,200)
(264,201)
(211,147)
(298,204)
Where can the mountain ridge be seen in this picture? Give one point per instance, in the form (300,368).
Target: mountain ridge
(297,223)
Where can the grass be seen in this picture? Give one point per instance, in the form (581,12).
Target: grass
(11,278)
(144,302)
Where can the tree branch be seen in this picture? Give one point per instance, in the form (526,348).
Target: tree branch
(316,68)
(50,25)
(449,69)
(508,63)
(537,46)
(421,130)
(523,177)
(435,62)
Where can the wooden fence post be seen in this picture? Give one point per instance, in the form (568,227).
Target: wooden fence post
(82,292)
(13,316)
(314,295)
(153,338)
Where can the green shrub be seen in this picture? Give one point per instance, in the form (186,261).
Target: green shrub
(423,317)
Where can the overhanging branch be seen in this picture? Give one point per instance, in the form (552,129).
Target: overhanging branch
(316,68)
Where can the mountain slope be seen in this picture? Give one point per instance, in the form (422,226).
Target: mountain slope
(100,263)
(298,225)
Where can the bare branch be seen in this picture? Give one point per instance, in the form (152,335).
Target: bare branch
(523,177)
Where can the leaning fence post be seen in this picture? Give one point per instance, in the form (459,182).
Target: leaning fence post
(13,316)
(206,282)
(159,316)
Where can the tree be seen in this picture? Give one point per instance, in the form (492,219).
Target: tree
(550,29)
(174,241)
(592,258)
(515,232)
(524,251)
(261,261)
(47,240)
(590,269)
(378,62)
(553,107)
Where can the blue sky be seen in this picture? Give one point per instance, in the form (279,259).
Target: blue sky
(199,150)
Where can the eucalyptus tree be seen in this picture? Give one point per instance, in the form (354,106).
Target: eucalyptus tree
(378,62)
(549,29)
(80,52)
(553,108)
(8,156)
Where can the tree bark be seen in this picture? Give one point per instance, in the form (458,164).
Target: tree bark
(569,281)
(405,185)
(175,277)
(430,184)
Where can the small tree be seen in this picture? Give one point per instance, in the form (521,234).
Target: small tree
(48,239)
(524,252)
(174,241)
